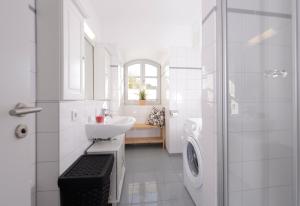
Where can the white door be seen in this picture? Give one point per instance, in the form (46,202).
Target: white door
(17,84)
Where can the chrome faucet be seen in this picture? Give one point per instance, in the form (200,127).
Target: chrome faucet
(106,112)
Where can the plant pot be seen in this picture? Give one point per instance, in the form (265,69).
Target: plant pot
(142,102)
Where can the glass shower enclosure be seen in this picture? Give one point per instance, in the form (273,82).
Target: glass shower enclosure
(261,103)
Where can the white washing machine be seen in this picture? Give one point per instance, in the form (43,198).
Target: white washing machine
(193,159)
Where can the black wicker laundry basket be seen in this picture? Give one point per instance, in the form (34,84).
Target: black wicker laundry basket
(87,181)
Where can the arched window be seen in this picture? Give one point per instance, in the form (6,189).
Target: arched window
(142,75)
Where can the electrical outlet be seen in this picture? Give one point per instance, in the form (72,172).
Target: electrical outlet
(74,115)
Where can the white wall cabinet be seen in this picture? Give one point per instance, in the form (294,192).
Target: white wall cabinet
(73,51)
(102,74)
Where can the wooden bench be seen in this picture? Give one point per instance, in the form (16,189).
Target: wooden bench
(146,140)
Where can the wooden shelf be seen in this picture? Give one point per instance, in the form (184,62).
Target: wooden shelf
(146,140)
(143,140)
(144,126)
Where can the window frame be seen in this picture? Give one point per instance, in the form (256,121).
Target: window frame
(142,62)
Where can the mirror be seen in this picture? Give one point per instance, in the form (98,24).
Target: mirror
(89,70)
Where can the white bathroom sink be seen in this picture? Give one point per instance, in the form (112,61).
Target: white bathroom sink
(110,128)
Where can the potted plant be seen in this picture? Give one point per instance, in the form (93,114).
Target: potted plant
(142,97)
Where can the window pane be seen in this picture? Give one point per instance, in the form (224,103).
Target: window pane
(134,83)
(133,94)
(151,94)
(134,70)
(151,83)
(150,70)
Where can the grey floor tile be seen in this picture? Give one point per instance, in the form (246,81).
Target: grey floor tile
(153,178)
(179,202)
(174,190)
(166,176)
(147,192)
(145,177)
(150,204)
(127,190)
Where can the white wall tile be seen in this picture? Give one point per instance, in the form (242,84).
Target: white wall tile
(248,4)
(281,6)
(279,196)
(254,116)
(280,172)
(209,31)
(255,197)
(48,198)
(255,145)
(236,86)
(47,147)
(280,144)
(47,174)
(235,176)
(235,28)
(279,116)
(235,147)
(47,120)
(254,174)
(255,58)
(235,58)
(253,89)
(235,198)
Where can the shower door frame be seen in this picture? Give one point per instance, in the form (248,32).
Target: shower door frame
(222,64)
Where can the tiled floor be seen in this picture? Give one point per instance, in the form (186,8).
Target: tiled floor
(153,178)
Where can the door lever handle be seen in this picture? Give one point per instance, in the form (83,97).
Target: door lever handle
(22,109)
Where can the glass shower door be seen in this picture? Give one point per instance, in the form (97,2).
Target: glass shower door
(260,88)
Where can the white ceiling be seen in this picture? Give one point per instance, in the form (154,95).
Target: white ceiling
(147,28)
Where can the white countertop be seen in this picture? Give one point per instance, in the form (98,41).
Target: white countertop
(107,146)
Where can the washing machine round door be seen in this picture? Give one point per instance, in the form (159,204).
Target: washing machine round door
(193,162)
